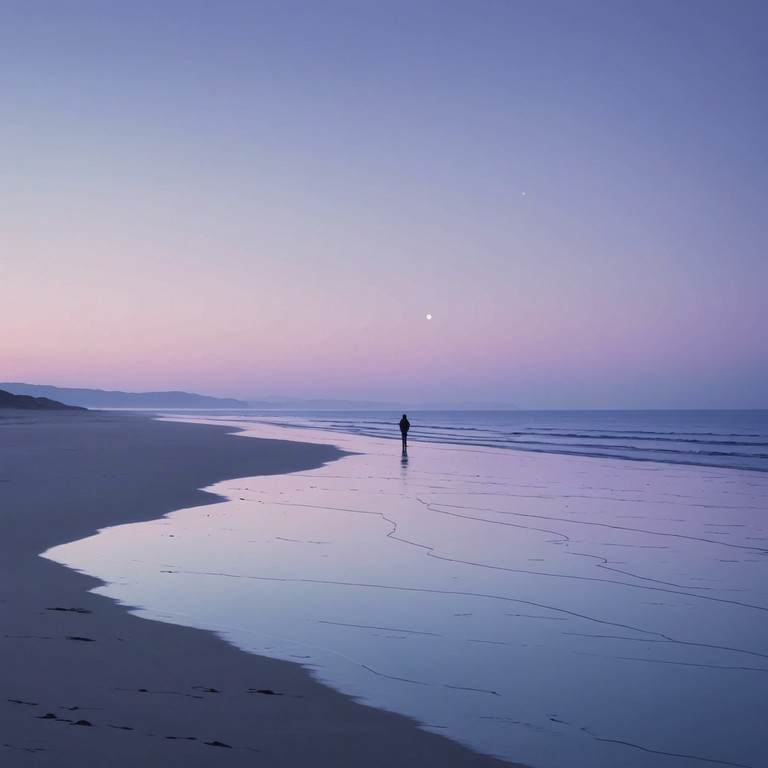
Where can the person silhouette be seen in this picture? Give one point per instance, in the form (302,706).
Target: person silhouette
(405,425)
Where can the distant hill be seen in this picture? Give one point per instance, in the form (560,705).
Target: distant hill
(99,398)
(28,403)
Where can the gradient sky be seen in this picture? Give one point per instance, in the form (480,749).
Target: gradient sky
(266,197)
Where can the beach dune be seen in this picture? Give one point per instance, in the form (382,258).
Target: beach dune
(84,682)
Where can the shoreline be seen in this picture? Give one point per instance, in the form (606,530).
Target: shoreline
(575,547)
(85,678)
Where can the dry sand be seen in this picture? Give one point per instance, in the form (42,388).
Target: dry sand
(84,682)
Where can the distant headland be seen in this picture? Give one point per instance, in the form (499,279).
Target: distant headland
(99,398)
(29,403)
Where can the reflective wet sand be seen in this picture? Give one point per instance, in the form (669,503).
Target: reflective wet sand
(546,609)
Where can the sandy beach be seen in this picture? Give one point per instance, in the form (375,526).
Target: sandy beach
(546,609)
(85,682)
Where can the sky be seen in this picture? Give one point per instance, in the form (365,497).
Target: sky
(257,198)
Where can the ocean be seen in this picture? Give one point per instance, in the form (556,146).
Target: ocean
(557,589)
(734,438)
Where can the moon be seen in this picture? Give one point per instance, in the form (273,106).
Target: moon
(429,317)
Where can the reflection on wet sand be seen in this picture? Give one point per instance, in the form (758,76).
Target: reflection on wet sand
(547,609)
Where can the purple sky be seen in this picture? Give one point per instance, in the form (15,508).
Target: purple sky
(256,198)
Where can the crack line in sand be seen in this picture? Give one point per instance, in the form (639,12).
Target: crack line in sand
(434,506)
(384,629)
(662,752)
(674,663)
(604,565)
(431,553)
(487,596)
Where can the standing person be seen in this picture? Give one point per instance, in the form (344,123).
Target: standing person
(405,425)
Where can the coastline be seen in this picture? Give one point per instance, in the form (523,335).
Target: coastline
(84,678)
(523,582)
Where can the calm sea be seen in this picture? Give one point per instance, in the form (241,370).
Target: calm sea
(736,439)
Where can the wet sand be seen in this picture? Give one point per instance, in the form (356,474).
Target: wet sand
(546,609)
(86,682)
